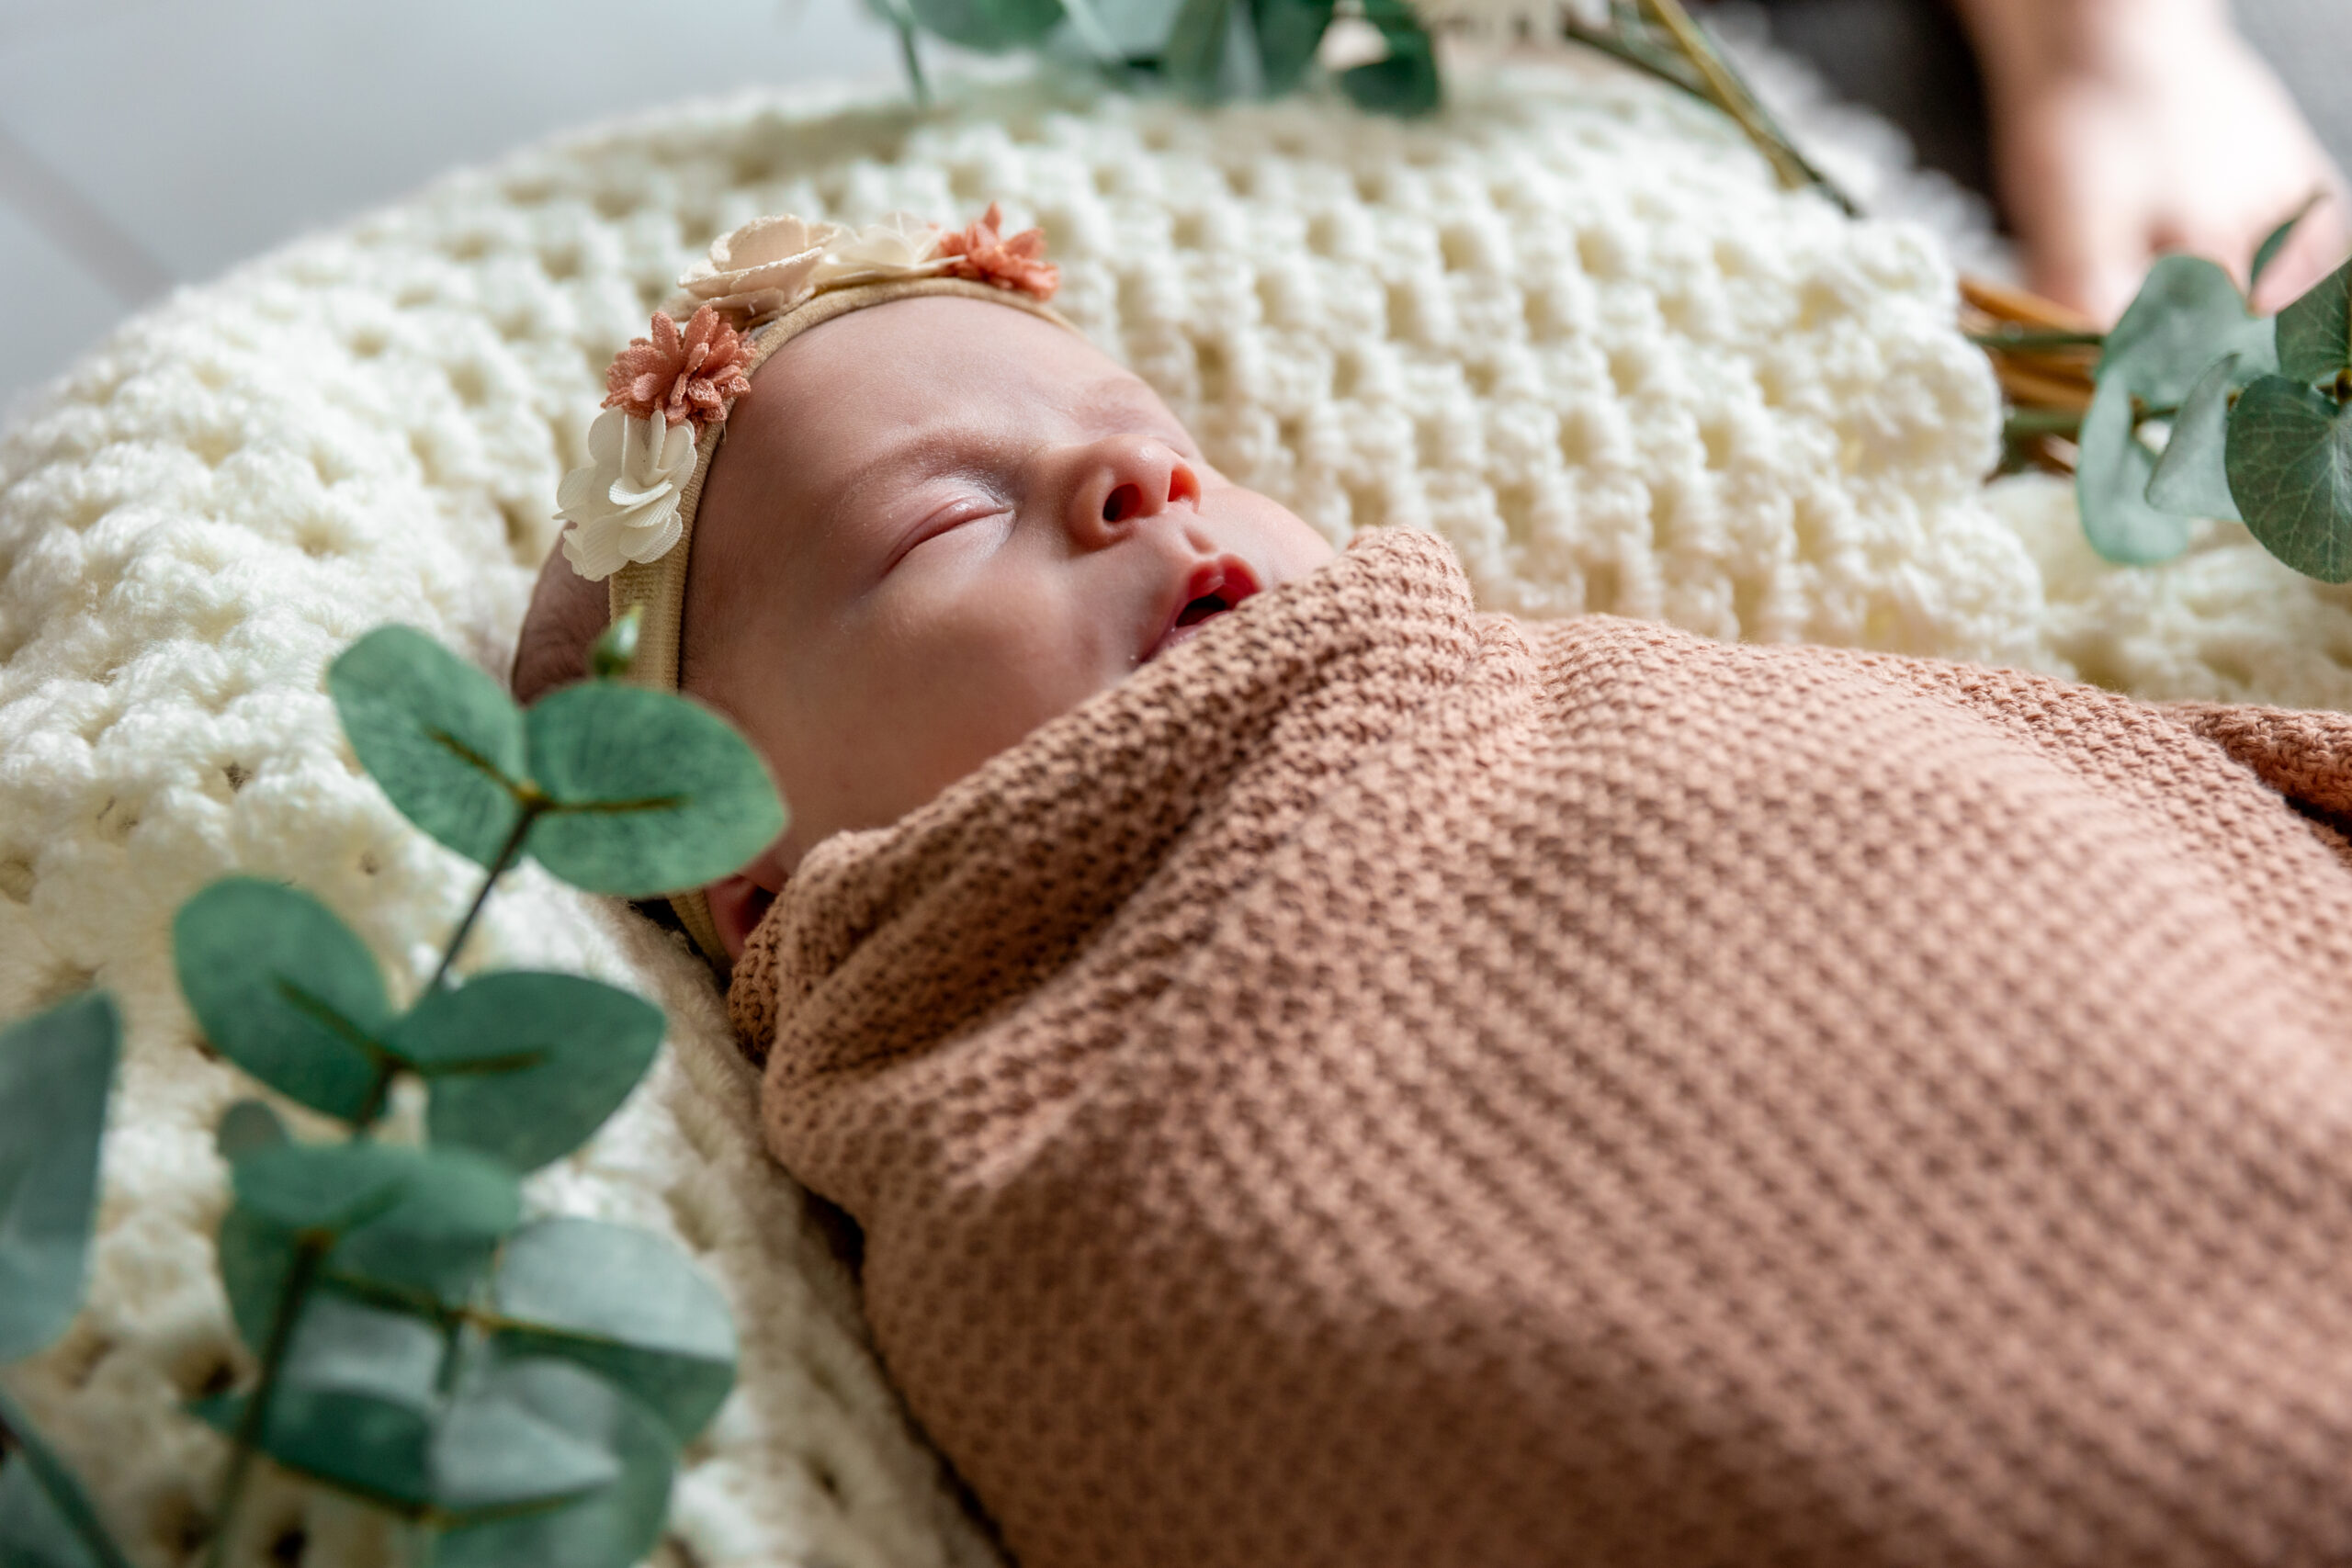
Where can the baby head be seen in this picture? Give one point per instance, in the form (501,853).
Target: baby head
(934,523)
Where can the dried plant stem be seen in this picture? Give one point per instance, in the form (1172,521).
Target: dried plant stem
(1712,81)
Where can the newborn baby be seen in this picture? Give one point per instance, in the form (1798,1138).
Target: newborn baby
(1326,1076)
(941,524)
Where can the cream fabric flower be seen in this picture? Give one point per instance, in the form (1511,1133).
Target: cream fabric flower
(900,242)
(623,507)
(764,268)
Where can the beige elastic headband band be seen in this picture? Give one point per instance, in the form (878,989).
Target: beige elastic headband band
(658,587)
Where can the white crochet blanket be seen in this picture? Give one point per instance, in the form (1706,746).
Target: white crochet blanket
(1569,323)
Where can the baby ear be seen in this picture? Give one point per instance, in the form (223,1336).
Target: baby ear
(737,903)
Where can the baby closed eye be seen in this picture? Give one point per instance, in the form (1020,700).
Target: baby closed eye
(946,519)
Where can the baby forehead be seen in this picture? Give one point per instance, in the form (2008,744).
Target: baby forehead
(947,347)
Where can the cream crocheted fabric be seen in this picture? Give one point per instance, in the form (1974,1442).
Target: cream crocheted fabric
(1569,323)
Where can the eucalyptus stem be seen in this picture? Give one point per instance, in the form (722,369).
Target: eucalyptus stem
(57,1483)
(533,805)
(291,1294)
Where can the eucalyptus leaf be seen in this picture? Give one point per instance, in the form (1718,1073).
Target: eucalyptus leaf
(367,1401)
(1137,29)
(2189,313)
(613,1526)
(33,1531)
(990,26)
(2290,469)
(2112,471)
(46,1519)
(2315,332)
(439,1237)
(524,1066)
(2192,478)
(253,1256)
(2269,249)
(1407,82)
(283,990)
(322,1189)
(353,1404)
(496,1451)
(439,736)
(248,1127)
(1194,56)
(1289,33)
(628,1304)
(403,1225)
(55,1069)
(651,791)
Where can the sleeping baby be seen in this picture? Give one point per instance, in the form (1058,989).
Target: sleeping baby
(1328,1075)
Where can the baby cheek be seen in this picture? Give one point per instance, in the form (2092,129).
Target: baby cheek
(1001,665)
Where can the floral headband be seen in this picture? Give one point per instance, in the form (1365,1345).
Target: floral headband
(631,510)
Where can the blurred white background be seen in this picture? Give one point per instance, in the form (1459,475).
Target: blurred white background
(145,143)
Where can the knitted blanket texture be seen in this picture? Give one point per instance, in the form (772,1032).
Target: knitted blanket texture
(1569,323)
(1394,1085)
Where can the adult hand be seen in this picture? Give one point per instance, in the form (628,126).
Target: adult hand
(2127,129)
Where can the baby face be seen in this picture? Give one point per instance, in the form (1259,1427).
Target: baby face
(933,526)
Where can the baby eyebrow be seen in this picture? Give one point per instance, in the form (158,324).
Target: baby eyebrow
(1122,401)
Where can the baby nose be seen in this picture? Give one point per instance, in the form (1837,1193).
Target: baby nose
(1124,480)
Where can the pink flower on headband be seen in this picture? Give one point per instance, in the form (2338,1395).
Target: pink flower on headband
(680,377)
(984,254)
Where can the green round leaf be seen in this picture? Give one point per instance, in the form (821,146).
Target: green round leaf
(439,1239)
(2267,252)
(283,989)
(1199,43)
(55,1069)
(1404,84)
(524,1066)
(364,1402)
(33,1530)
(2192,477)
(253,1257)
(2189,314)
(2315,332)
(248,1127)
(321,1188)
(1135,29)
(440,737)
(2290,469)
(626,1304)
(1289,32)
(991,26)
(2112,471)
(613,1526)
(419,1226)
(653,792)
(355,1401)
(507,1442)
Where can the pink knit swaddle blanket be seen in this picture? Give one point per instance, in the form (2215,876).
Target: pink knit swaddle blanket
(1394,1085)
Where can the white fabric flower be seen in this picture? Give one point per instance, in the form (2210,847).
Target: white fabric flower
(900,242)
(764,268)
(623,507)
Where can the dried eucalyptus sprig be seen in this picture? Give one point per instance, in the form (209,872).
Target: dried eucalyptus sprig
(1662,39)
(518,1392)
